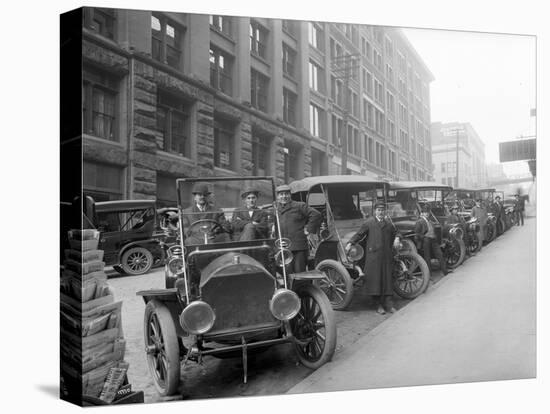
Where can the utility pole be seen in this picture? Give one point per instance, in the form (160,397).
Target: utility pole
(342,68)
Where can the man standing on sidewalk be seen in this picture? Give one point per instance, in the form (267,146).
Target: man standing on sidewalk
(480,213)
(519,208)
(297,220)
(381,235)
(427,241)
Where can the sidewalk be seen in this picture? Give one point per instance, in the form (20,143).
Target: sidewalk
(476,324)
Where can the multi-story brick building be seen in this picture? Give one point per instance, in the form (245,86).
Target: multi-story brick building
(168,95)
(472,171)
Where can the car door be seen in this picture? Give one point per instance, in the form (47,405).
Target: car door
(108,224)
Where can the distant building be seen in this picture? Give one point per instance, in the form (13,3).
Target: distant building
(472,172)
(168,95)
(495,172)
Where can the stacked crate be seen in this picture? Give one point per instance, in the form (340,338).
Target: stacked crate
(92,343)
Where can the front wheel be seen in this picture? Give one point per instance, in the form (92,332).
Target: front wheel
(455,252)
(338,285)
(476,241)
(411,275)
(161,346)
(314,328)
(137,261)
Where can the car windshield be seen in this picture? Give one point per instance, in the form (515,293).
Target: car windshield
(347,201)
(226,210)
(126,220)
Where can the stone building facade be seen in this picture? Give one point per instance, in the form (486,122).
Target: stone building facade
(169,95)
(472,169)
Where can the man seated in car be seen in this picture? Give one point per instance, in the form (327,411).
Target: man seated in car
(202,222)
(250,221)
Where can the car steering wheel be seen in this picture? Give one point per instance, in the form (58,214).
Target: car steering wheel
(213,226)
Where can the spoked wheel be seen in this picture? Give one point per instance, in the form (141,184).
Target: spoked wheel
(475,243)
(137,261)
(455,252)
(338,286)
(314,328)
(411,275)
(161,346)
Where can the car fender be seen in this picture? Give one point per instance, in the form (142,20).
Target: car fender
(149,244)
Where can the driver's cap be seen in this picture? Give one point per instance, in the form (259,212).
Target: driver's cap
(283,188)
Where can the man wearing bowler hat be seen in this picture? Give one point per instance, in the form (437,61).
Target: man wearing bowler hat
(202,209)
(297,220)
(381,235)
(250,221)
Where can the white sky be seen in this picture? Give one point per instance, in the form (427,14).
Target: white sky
(486,79)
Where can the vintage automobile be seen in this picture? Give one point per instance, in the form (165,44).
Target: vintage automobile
(404,205)
(130,234)
(466,198)
(227,295)
(344,202)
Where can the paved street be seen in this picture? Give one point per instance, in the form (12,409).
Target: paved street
(477,324)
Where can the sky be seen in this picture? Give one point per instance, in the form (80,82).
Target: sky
(486,79)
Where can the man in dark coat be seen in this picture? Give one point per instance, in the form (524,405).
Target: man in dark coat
(519,208)
(202,209)
(480,212)
(426,239)
(297,220)
(498,211)
(250,221)
(381,235)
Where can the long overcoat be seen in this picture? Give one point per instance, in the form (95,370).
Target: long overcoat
(380,236)
(294,217)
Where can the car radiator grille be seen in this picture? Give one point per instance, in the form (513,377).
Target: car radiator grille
(240,301)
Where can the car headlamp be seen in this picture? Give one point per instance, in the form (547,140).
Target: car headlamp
(284,304)
(355,253)
(283,257)
(175,265)
(197,318)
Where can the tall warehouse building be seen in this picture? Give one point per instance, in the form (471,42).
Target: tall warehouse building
(168,95)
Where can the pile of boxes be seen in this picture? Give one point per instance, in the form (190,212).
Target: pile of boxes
(92,343)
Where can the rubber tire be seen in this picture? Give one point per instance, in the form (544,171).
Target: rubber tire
(462,255)
(171,348)
(345,282)
(311,293)
(127,269)
(421,263)
(479,244)
(491,236)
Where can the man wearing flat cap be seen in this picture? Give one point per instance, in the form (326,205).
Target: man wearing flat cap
(480,212)
(202,209)
(297,220)
(426,239)
(381,235)
(250,221)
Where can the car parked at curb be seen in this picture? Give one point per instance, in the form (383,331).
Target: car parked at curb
(230,296)
(344,202)
(405,204)
(130,234)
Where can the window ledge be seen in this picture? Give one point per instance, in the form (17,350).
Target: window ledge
(102,140)
(175,156)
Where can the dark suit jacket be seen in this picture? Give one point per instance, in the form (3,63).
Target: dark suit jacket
(242,217)
(294,217)
(192,214)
